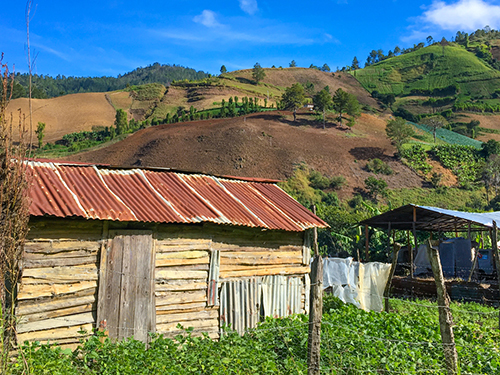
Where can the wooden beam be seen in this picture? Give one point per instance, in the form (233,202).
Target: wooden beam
(395,254)
(494,243)
(367,244)
(414,240)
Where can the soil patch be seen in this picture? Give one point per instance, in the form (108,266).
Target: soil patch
(267,145)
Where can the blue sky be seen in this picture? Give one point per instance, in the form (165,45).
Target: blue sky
(95,38)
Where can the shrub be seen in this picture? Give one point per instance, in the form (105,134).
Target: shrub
(375,187)
(416,158)
(378,166)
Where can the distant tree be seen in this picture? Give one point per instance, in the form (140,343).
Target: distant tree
(223,69)
(399,131)
(121,122)
(343,102)
(397,50)
(309,88)
(293,64)
(40,133)
(375,187)
(258,73)
(293,98)
(322,101)
(435,122)
(355,63)
(429,40)
(491,175)
(489,148)
(325,68)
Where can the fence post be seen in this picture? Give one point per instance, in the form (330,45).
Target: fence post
(494,245)
(445,317)
(395,254)
(315,310)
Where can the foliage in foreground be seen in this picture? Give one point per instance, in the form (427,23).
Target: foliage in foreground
(353,341)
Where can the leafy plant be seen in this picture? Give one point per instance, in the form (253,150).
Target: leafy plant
(416,157)
(378,166)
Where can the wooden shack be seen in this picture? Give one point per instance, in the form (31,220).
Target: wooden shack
(143,250)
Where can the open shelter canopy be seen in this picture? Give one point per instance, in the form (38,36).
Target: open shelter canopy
(432,219)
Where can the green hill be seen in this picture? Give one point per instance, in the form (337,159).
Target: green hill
(432,70)
(49,87)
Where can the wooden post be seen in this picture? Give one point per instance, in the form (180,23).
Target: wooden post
(395,254)
(445,317)
(414,240)
(315,310)
(367,244)
(410,254)
(389,241)
(494,245)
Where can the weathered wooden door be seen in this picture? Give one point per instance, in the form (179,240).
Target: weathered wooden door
(126,285)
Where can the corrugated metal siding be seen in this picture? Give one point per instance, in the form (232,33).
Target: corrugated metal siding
(243,302)
(99,192)
(281,295)
(240,304)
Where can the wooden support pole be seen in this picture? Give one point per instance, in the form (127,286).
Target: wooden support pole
(389,241)
(469,231)
(494,244)
(414,249)
(315,310)
(395,253)
(445,317)
(367,244)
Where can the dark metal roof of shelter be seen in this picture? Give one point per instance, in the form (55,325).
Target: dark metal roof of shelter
(432,219)
(159,195)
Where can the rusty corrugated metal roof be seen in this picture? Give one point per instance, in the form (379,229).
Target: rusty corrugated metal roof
(151,195)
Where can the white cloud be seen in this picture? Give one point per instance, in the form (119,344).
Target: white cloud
(207,18)
(466,15)
(249,6)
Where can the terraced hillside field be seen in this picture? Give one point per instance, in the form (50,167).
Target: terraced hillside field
(430,68)
(67,114)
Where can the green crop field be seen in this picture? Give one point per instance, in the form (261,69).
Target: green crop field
(449,136)
(405,341)
(428,69)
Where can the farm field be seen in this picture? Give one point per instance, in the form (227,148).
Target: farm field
(67,114)
(405,341)
(430,68)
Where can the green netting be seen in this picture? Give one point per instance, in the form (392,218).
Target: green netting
(449,136)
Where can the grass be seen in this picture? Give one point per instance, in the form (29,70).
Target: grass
(428,69)
(450,198)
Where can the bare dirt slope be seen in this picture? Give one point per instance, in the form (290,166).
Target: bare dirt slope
(265,145)
(67,114)
(489,121)
(288,76)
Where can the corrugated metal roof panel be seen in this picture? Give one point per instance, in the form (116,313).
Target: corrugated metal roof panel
(229,209)
(50,194)
(98,201)
(104,193)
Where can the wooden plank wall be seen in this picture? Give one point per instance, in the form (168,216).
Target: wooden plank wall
(57,293)
(183,261)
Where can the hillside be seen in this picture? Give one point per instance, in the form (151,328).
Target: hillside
(49,87)
(67,114)
(266,145)
(282,78)
(429,68)
(78,112)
